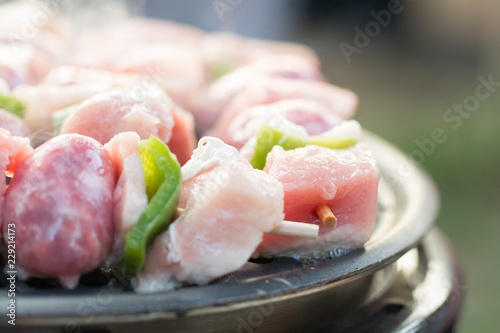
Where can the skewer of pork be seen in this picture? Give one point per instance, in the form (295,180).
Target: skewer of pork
(14,21)
(314,117)
(338,101)
(70,212)
(223,52)
(23,62)
(29,50)
(125,34)
(345,180)
(332,172)
(69,86)
(216,95)
(162,53)
(62,88)
(64,205)
(131,202)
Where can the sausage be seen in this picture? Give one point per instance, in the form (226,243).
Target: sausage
(60,203)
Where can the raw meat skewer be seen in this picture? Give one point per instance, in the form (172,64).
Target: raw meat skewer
(344,179)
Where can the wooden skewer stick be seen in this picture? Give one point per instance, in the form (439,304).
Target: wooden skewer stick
(326,216)
(287,228)
(297,229)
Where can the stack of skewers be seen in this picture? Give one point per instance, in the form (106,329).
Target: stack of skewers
(98,136)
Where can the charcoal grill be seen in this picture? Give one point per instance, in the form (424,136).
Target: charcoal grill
(405,279)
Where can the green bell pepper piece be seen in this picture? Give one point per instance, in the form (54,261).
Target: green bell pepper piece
(12,105)
(163,186)
(221,68)
(269,136)
(332,143)
(59,116)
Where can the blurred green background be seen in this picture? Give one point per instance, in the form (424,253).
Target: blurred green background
(420,64)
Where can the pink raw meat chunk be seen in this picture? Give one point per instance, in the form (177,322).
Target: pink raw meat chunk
(11,78)
(346,180)
(142,109)
(120,37)
(31,42)
(61,203)
(224,52)
(22,62)
(228,206)
(311,115)
(25,60)
(27,18)
(162,53)
(130,198)
(183,140)
(63,87)
(13,150)
(13,124)
(339,101)
(177,69)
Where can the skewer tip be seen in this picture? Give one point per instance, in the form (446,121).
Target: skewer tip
(326,216)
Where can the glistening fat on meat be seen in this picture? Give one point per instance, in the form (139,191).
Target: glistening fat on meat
(61,202)
(228,206)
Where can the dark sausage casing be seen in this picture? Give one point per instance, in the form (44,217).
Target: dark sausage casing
(60,203)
